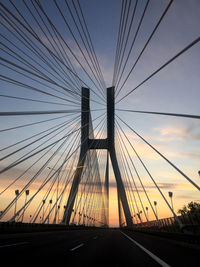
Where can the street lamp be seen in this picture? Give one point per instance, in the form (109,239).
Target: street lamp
(141,216)
(50,202)
(155,204)
(147,209)
(27,193)
(43,202)
(17,194)
(171,195)
(58,213)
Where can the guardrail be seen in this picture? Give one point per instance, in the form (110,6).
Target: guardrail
(190,224)
(19,227)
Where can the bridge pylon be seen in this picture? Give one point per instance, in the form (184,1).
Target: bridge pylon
(87,143)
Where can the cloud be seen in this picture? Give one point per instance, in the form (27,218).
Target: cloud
(191,131)
(171,132)
(164,186)
(183,197)
(161,186)
(142,149)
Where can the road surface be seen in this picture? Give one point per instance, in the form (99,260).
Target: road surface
(101,247)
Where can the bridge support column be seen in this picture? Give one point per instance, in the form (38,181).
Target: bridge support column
(85,106)
(107,188)
(108,144)
(111,148)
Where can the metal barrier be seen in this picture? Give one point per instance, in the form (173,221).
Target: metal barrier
(190,224)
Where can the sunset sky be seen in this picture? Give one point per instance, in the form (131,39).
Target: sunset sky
(174,89)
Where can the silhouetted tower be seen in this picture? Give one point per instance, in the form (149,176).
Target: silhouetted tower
(87,144)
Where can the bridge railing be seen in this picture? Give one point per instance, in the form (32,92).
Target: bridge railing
(19,227)
(190,224)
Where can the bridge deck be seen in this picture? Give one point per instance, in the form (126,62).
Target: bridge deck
(100,247)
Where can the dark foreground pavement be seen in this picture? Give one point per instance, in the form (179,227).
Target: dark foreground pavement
(95,248)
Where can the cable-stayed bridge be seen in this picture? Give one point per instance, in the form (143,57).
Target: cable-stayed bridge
(71,154)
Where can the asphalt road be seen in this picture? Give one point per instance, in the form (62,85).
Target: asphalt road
(94,248)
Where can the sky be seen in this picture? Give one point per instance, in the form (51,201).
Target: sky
(174,89)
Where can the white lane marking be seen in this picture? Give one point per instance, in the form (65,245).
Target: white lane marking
(72,249)
(161,262)
(16,244)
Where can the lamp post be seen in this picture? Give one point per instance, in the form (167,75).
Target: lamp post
(171,195)
(147,209)
(27,193)
(17,194)
(141,216)
(155,204)
(58,213)
(50,202)
(43,202)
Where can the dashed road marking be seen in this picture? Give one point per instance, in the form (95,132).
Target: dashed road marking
(11,245)
(158,260)
(72,249)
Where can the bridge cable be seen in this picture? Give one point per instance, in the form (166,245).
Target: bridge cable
(21,175)
(26,86)
(124,148)
(129,185)
(58,127)
(5,210)
(77,204)
(162,113)
(74,143)
(61,54)
(35,52)
(39,151)
(166,201)
(28,184)
(159,153)
(19,58)
(15,82)
(91,53)
(88,39)
(40,54)
(37,211)
(150,37)
(36,100)
(29,43)
(88,177)
(163,66)
(34,74)
(132,45)
(64,54)
(124,27)
(126,42)
(25,155)
(118,39)
(56,177)
(28,138)
(139,178)
(36,37)
(83,54)
(52,208)
(40,6)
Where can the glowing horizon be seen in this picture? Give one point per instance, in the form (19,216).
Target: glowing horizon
(174,89)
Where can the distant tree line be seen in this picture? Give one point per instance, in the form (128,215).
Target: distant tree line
(191,208)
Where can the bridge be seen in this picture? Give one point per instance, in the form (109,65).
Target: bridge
(100,132)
